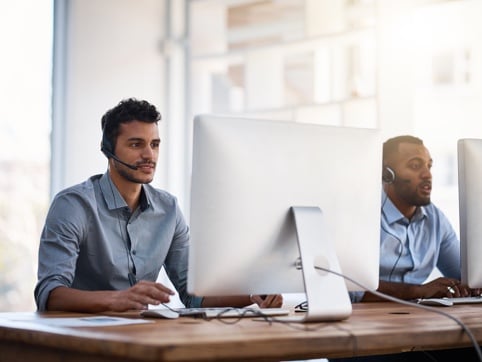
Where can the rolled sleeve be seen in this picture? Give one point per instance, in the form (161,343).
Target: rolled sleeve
(58,250)
(43,289)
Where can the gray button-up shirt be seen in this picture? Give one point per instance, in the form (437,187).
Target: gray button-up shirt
(92,241)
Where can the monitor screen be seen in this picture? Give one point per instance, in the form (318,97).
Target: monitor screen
(470,209)
(265,193)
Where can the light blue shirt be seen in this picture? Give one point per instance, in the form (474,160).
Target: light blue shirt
(410,250)
(91,240)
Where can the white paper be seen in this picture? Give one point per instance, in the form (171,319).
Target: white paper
(94,321)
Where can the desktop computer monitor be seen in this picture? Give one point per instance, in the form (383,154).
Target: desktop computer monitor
(272,202)
(469,153)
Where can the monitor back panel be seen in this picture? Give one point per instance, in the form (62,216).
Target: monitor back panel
(248,173)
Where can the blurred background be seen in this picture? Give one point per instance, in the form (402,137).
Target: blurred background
(403,66)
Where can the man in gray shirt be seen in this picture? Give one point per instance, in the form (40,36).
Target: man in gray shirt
(106,239)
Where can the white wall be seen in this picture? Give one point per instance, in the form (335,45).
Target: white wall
(410,102)
(112,51)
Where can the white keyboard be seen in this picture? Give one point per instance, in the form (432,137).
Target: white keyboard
(448,302)
(467,300)
(221,312)
(218,312)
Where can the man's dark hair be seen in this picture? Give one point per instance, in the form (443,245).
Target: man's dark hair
(390,146)
(128,110)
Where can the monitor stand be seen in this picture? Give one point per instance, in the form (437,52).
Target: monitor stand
(326,293)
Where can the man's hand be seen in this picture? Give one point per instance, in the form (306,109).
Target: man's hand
(447,287)
(140,296)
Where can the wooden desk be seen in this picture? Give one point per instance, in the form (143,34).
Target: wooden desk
(373,328)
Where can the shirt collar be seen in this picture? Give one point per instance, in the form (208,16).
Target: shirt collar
(393,215)
(113,198)
(144,201)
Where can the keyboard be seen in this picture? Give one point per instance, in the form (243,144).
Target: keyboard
(467,300)
(218,312)
(448,302)
(223,312)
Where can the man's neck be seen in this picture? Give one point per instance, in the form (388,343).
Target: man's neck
(130,191)
(408,210)
(405,209)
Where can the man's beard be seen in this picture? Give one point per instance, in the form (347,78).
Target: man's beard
(129,177)
(412,198)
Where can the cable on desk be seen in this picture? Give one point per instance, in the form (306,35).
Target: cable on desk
(271,319)
(412,304)
(246,312)
(243,313)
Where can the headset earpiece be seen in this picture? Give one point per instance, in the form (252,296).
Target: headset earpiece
(106,146)
(108,150)
(388,175)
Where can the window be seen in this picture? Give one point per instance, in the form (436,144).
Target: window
(26,38)
(313,60)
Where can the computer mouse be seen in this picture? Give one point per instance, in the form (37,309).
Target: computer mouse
(160,313)
(440,302)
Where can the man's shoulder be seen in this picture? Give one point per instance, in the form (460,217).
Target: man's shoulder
(434,212)
(74,202)
(431,208)
(83,188)
(164,202)
(158,195)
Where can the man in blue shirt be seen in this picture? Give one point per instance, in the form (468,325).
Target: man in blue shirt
(416,237)
(106,239)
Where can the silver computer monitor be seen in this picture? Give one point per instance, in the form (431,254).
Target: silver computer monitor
(268,196)
(470,210)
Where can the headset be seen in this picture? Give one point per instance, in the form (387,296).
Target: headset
(388,175)
(108,150)
(131,274)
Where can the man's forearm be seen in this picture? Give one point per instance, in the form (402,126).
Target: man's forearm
(404,291)
(74,300)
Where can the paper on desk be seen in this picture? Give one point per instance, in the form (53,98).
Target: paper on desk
(93,321)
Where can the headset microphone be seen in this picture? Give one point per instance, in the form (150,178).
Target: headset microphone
(110,154)
(107,149)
